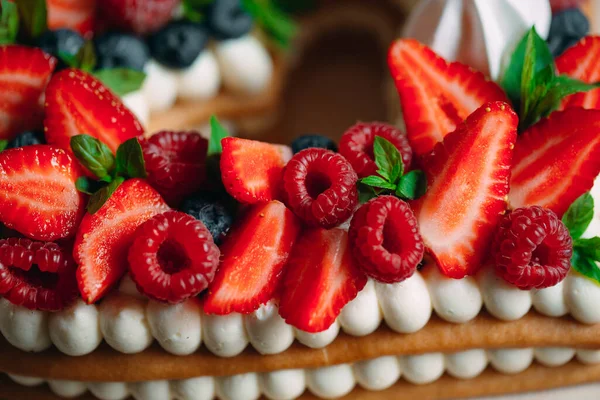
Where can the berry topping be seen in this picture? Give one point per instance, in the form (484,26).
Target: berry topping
(320,187)
(251,171)
(385,240)
(104,238)
(61,42)
(559,5)
(213,210)
(436,95)
(173,257)
(27,138)
(567,28)
(227,19)
(78,15)
(468,182)
(320,279)
(532,248)
(579,62)
(139,16)
(253,257)
(556,160)
(76,103)
(357,146)
(308,141)
(36,275)
(178,44)
(38,197)
(121,50)
(175,163)
(24,74)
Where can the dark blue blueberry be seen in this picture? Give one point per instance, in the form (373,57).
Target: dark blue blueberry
(61,41)
(567,28)
(178,44)
(121,50)
(307,141)
(27,138)
(213,209)
(227,19)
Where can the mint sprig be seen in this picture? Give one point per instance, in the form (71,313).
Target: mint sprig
(586,252)
(278,26)
(3,145)
(532,84)
(33,17)
(217,134)
(121,80)
(391,178)
(111,171)
(9,22)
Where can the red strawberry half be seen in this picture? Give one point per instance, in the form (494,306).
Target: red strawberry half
(104,238)
(24,74)
(581,62)
(253,257)
(436,95)
(139,16)
(38,197)
(252,170)
(77,15)
(320,279)
(556,160)
(467,188)
(77,103)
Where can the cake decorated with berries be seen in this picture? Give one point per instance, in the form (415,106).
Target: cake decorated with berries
(455,256)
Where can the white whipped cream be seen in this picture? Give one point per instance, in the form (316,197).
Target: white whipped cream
(477,32)
(326,382)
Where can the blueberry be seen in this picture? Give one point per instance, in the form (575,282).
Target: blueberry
(213,209)
(61,41)
(567,28)
(178,44)
(121,50)
(307,141)
(27,138)
(227,19)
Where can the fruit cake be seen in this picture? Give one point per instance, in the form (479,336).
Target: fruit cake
(436,260)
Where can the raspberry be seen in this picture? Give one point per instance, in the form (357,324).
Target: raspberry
(36,275)
(385,239)
(532,248)
(175,163)
(173,257)
(320,187)
(357,146)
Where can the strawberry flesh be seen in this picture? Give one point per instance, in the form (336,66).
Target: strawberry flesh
(321,278)
(139,16)
(581,62)
(436,95)
(253,258)
(467,188)
(77,15)
(103,239)
(556,160)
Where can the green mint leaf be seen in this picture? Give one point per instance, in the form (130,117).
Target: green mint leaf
(69,59)
(217,134)
(33,16)
(130,160)
(378,182)
(9,22)
(387,157)
(3,145)
(365,193)
(86,57)
(579,215)
(193,10)
(585,266)
(101,196)
(396,173)
(278,26)
(88,186)
(121,80)
(93,155)
(528,84)
(412,185)
(590,248)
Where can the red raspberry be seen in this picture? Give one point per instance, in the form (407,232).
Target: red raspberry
(385,239)
(357,146)
(560,5)
(320,187)
(175,163)
(173,257)
(532,248)
(36,275)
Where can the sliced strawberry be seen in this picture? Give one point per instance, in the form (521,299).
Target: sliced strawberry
(77,15)
(139,16)
(556,160)
(252,170)
(467,188)
(77,103)
(253,257)
(24,74)
(581,62)
(104,238)
(320,279)
(436,95)
(38,197)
